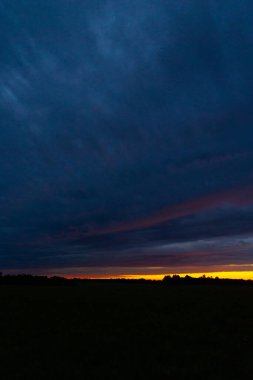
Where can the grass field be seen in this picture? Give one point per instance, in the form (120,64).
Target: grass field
(126,331)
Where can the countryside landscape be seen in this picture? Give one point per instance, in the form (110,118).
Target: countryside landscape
(126,189)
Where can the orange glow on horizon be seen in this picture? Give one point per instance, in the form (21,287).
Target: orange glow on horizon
(245,275)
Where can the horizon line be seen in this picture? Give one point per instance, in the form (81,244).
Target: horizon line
(233,275)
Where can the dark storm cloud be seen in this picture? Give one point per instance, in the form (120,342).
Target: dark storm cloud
(124,117)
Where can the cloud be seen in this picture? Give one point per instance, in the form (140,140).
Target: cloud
(123,125)
(243,196)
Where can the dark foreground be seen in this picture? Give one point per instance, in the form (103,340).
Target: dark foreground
(126,331)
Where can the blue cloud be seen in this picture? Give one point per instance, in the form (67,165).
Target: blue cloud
(112,111)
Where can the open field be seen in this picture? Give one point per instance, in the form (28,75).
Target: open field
(126,331)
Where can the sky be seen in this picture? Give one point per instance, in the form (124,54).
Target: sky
(126,139)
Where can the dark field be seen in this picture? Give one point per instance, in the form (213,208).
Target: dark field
(126,331)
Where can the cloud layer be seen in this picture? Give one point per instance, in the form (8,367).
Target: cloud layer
(125,126)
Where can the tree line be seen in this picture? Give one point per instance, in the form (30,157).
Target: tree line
(28,279)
